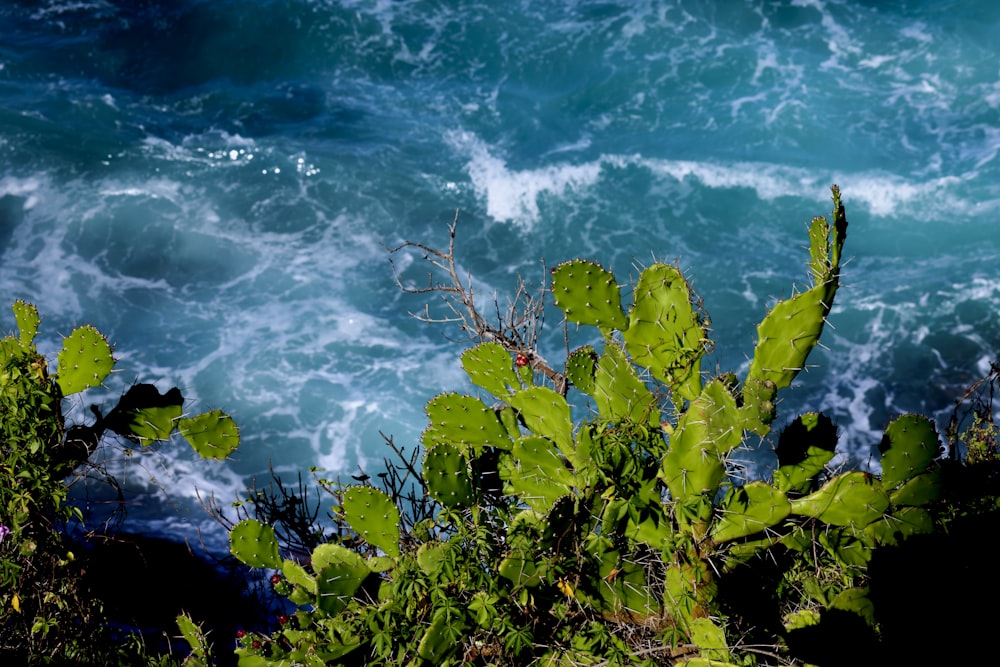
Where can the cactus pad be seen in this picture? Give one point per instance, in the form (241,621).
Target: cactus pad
(665,334)
(709,429)
(446,472)
(804,448)
(850,499)
(84,361)
(463,421)
(213,435)
(588,294)
(749,509)
(27,318)
(339,574)
(787,336)
(254,544)
(372,515)
(144,415)
(489,366)
(535,472)
(580,367)
(909,446)
(618,391)
(546,413)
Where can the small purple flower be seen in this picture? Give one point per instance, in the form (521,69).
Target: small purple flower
(4,532)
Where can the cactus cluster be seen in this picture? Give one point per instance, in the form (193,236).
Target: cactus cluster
(629,518)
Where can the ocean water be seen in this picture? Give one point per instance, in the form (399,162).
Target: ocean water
(214,183)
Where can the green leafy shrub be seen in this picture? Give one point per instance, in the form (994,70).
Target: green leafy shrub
(47,615)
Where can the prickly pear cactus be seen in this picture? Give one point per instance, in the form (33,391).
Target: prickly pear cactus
(463,422)
(908,448)
(489,366)
(851,499)
(665,334)
(587,293)
(27,318)
(372,515)
(446,472)
(580,367)
(254,544)
(213,435)
(84,361)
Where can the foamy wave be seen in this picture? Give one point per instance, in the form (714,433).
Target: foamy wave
(513,196)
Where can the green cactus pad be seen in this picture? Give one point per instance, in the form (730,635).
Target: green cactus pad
(254,544)
(546,413)
(758,408)
(749,509)
(787,336)
(535,472)
(213,435)
(372,515)
(649,524)
(463,422)
(804,448)
(709,429)
(710,639)
(144,415)
(297,576)
(894,528)
(489,366)
(339,574)
(618,391)
(446,472)
(920,490)
(27,318)
(665,334)
(588,294)
(84,361)
(909,446)
(851,499)
(580,367)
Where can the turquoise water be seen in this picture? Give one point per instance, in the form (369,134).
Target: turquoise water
(212,184)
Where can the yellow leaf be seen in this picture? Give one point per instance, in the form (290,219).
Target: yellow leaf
(16,603)
(566,589)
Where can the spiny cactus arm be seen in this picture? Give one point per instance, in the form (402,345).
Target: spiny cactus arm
(665,334)
(581,364)
(588,294)
(213,435)
(787,335)
(894,528)
(84,361)
(708,430)
(196,639)
(339,574)
(710,640)
(371,514)
(27,318)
